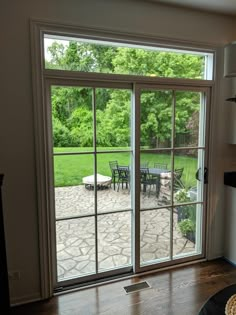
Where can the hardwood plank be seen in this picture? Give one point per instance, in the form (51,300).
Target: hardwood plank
(178,291)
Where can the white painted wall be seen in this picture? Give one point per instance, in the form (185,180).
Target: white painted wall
(17,158)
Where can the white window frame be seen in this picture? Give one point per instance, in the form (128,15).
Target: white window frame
(40,76)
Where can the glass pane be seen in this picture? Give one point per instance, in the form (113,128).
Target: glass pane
(114,241)
(186,186)
(113,113)
(72,118)
(75,248)
(115,193)
(155,179)
(187,118)
(187,230)
(154,236)
(85,55)
(156,119)
(74,194)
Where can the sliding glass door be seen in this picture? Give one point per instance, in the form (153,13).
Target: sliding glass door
(172,174)
(91,131)
(128,168)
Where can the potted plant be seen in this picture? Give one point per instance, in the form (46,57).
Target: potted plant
(186,215)
(187,228)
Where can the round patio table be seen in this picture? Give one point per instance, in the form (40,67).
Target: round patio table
(102,181)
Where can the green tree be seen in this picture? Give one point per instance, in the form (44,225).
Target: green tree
(113,124)
(81,127)
(113,108)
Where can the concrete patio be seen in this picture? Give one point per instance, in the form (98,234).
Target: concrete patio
(76,237)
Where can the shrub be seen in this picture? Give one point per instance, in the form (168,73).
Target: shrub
(186,213)
(61,134)
(186,226)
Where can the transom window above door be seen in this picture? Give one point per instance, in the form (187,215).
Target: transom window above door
(97,56)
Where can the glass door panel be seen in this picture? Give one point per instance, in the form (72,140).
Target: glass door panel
(113,113)
(187,118)
(97,193)
(72,185)
(91,133)
(155,236)
(115,193)
(172,158)
(114,241)
(75,245)
(155,178)
(187,222)
(155,119)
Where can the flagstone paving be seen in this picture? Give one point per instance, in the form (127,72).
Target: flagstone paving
(76,237)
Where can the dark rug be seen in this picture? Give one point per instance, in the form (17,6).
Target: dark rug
(216,304)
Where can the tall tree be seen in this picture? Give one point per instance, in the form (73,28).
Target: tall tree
(71,106)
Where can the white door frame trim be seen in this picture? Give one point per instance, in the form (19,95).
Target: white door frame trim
(40,77)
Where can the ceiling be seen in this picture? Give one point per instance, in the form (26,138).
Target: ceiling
(219,6)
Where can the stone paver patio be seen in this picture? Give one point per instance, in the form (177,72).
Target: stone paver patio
(76,237)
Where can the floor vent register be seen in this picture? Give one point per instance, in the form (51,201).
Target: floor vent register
(137,287)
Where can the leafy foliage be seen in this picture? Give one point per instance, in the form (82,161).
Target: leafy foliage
(72,107)
(186,212)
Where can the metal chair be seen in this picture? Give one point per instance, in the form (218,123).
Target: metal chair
(123,177)
(147,180)
(114,172)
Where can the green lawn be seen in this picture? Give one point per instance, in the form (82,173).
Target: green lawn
(70,169)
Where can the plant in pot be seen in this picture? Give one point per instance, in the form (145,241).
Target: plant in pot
(186,214)
(187,228)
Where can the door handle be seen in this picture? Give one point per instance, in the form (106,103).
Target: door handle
(197,175)
(205,175)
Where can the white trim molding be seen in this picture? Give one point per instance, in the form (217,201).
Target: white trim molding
(41,77)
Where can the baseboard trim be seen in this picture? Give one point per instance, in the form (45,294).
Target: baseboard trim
(25,299)
(230,261)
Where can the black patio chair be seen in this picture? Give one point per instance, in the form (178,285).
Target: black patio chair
(114,172)
(148,181)
(123,177)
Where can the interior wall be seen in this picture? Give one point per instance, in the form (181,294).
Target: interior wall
(17,158)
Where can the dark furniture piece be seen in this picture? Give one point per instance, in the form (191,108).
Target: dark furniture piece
(216,304)
(4,286)
(230,179)
(123,176)
(149,178)
(114,172)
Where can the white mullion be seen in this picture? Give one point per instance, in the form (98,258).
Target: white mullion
(136,179)
(51,196)
(95,176)
(123,80)
(201,164)
(172,171)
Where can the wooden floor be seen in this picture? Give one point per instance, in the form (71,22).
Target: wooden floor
(180,291)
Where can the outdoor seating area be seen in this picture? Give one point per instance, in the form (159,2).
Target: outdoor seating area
(76,238)
(149,176)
